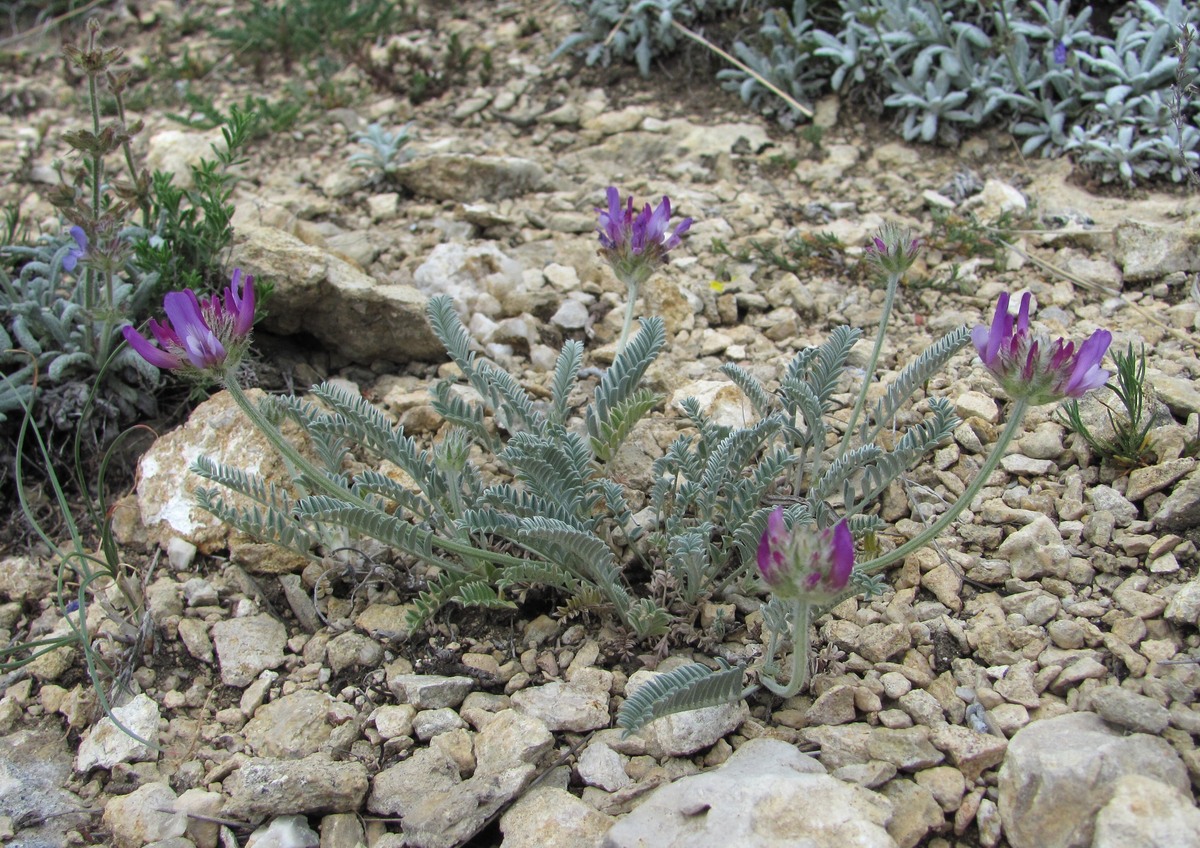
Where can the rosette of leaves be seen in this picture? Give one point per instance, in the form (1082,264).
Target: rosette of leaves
(641,30)
(384,151)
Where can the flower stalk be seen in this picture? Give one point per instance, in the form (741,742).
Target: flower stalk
(801,645)
(893,251)
(1016,418)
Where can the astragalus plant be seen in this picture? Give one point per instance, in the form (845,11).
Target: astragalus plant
(778,505)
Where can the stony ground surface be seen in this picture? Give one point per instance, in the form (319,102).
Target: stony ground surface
(1032,681)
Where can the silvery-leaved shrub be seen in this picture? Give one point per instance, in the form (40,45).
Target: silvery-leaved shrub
(1043,70)
(641,30)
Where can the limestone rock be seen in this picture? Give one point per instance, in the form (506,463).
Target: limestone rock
(506,750)
(1149,251)
(176,151)
(510,739)
(1146,813)
(1181,510)
(284,832)
(476,276)
(1184,607)
(429,691)
(766,794)
(346,309)
(463,177)
(833,706)
(217,429)
(1059,772)
(1155,478)
(908,748)
(205,805)
(549,817)
(565,706)
(971,751)
(599,765)
(915,812)
(1130,710)
(264,787)
(248,646)
(721,401)
(1178,393)
(138,818)
(398,789)
(35,766)
(294,726)
(25,579)
(1036,550)
(105,744)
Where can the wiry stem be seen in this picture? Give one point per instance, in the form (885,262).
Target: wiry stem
(889,299)
(1016,417)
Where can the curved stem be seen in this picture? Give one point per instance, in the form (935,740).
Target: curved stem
(889,299)
(316,477)
(800,648)
(1016,417)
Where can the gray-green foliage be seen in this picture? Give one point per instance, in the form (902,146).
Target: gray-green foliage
(385,151)
(687,687)
(555,501)
(50,332)
(1037,68)
(558,508)
(637,29)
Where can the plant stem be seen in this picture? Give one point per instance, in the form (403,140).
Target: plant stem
(631,297)
(127,149)
(889,299)
(1016,417)
(800,648)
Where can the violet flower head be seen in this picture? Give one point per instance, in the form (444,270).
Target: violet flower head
(772,563)
(893,249)
(202,336)
(1060,53)
(75,253)
(1032,367)
(636,244)
(806,564)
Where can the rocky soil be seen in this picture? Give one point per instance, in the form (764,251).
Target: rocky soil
(1032,681)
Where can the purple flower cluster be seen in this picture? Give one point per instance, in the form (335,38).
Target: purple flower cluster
(804,564)
(635,245)
(201,334)
(1031,367)
(893,249)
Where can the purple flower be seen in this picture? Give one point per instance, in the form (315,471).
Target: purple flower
(805,564)
(1060,53)
(893,249)
(1033,368)
(75,253)
(635,245)
(772,564)
(201,334)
